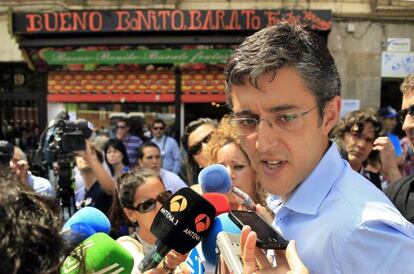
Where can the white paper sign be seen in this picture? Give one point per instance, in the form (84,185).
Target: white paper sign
(397,64)
(349,105)
(399,44)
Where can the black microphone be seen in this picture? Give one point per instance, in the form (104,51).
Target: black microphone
(180,225)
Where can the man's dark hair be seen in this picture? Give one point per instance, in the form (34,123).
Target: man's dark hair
(280,46)
(30,229)
(158,121)
(145,145)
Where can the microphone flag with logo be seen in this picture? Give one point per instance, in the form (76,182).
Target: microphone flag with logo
(180,225)
(98,254)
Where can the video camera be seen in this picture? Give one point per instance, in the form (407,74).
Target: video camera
(58,142)
(70,136)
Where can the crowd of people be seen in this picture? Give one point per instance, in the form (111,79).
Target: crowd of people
(321,180)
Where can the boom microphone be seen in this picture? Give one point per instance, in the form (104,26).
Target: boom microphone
(98,254)
(180,225)
(215,178)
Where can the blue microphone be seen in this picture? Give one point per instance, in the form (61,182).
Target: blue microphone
(214,178)
(84,223)
(208,244)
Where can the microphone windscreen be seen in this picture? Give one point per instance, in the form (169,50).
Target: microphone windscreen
(214,178)
(181,222)
(92,217)
(219,201)
(77,232)
(98,254)
(208,244)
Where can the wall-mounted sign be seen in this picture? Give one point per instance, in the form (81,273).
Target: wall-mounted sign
(399,44)
(397,64)
(163,20)
(212,56)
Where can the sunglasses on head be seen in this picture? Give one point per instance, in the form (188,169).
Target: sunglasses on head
(403,113)
(195,149)
(149,204)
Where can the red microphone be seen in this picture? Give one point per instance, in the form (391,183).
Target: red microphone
(219,201)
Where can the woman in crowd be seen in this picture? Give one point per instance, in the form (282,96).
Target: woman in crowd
(116,157)
(224,148)
(196,135)
(139,195)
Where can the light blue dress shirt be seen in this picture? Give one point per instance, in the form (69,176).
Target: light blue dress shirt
(343,224)
(170,153)
(171,180)
(40,185)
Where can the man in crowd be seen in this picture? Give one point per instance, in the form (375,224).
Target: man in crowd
(401,192)
(20,167)
(131,142)
(358,134)
(98,193)
(284,90)
(149,156)
(170,151)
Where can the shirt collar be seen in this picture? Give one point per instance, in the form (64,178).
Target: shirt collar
(309,195)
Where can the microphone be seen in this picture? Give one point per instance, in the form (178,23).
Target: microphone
(84,223)
(219,201)
(215,178)
(208,244)
(180,225)
(98,254)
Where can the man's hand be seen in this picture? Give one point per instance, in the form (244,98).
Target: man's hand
(255,261)
(22,171)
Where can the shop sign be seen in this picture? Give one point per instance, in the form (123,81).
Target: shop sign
(212,56)
(104,21)
(397,64)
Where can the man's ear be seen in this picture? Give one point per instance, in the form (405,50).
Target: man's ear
(331,114)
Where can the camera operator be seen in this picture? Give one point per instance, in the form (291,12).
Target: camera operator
(99,184)
(20,167)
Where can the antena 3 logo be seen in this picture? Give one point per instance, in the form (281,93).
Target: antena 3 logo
(178,203)
(202,222)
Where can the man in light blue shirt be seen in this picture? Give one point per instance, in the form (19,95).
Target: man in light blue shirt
(149,156)
(284,90)
(20,167)
(170,151)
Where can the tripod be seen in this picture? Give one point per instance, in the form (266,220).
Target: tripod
(65,192)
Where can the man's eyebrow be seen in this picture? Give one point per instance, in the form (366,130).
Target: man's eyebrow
(281,108)
(275,109)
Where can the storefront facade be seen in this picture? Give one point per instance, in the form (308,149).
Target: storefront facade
(142,62)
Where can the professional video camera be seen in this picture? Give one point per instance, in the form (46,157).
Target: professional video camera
(57,144)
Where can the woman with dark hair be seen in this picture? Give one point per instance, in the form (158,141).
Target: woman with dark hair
(196,135)
(138,196)
(116,157)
